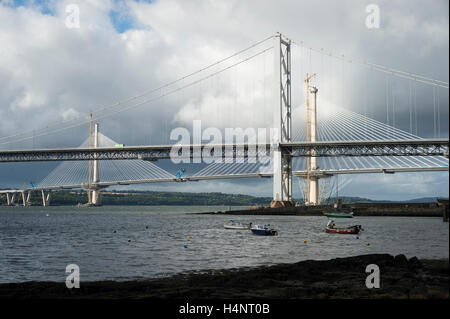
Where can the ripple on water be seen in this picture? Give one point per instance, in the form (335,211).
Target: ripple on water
(35,247)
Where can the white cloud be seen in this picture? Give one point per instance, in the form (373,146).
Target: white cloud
(50,73)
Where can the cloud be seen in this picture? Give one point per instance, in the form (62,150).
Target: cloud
(50,73)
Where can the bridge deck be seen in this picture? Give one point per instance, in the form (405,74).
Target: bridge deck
(420,147)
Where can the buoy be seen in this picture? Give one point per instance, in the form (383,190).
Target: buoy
(190,237)
(115,231)
(305,241)
(185,246)
(146,227)
(367,244)
(129,240)
(357,237)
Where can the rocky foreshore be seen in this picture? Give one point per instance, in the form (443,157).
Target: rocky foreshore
(335,278)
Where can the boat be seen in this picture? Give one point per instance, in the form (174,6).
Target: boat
(265,230)
(349,230)
(233,224)
(337,211)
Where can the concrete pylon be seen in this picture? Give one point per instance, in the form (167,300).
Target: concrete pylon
(8,199)
(45,199)
(314,180)
(96,190)
(28,201)
(24,202)
(44,203)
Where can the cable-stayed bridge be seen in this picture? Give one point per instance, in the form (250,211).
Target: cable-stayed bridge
(312,141)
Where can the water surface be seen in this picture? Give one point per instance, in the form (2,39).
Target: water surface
(129,242)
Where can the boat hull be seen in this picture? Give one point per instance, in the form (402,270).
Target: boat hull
(235,227)
(338,215)
(264,232)
(354,230)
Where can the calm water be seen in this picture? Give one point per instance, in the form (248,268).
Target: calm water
(34,246)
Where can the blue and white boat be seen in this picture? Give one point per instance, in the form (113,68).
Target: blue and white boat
(265,230)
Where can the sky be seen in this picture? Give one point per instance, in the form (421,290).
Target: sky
(50,73)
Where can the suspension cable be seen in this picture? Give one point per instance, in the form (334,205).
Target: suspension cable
(145,101)
(110,106)
(378,67)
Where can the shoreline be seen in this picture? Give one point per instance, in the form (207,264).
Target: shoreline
(342,278)
(359,209)
(427,209)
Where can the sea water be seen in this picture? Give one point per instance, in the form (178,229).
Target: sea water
(137,242)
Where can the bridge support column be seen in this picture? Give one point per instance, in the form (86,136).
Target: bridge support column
(96,191)
(28,201)
(24,203)
(48,199)
(8,200)
(314,181)
(314,191)
(13,199)
(282,162)
(45,199)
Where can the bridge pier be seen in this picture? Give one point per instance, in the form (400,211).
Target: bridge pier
(28,201)
(24,203)
(96,199)
(45,199)
(8,200)
(13,199)
(314,191)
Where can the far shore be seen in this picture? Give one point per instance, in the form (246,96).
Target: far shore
(359,209)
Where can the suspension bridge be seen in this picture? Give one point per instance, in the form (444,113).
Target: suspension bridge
(313,137)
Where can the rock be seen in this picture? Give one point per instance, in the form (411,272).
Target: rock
(334,278)
(401,260)
(414,262)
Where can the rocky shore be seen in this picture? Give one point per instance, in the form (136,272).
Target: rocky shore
(327,279)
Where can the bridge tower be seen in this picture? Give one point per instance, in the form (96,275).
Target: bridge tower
(96,191)
(282,162)
(313,196)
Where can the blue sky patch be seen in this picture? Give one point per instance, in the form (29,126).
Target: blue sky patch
(121,17)
(121,20)
(45,6)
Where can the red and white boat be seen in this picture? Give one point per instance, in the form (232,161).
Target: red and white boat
(350,230)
